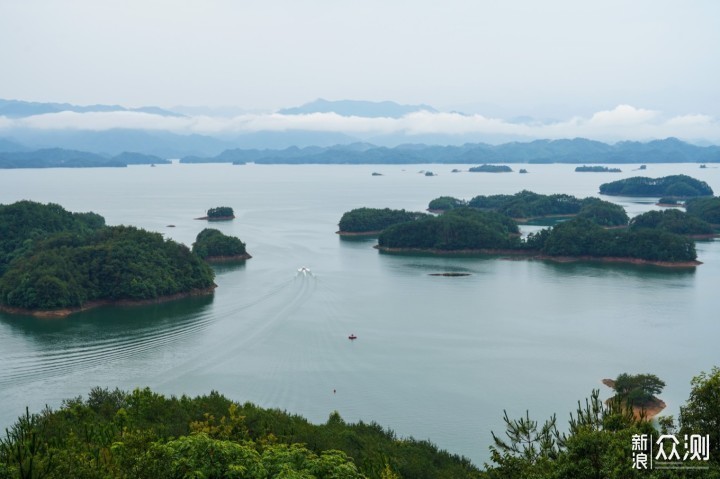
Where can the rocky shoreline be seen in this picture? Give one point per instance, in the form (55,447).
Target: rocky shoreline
(227,259)
(537,255)
(61,313)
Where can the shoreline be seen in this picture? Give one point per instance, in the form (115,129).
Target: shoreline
(64,312)
(227,259)
(217,218)
(358,233)
(536,255)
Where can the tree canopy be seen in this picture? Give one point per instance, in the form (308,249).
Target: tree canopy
(637,389)
(672,221)
(53,259)
(680,186)
(211,243)
(364,220)
(707,209)
(220,212)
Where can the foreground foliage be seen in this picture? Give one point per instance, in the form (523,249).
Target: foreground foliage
(598,442)
(114,434)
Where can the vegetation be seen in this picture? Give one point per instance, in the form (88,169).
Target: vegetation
(491,169)
(637,389)
(527,204)
(597,169)
(367,220)
(580,237)
(445,203)
(707,209)
(603,212)
(669,200)
(220,212)
(458,229)
(62,158)
(212,243)
(523,170)
(679,186)
(52,259)
(673,221)
(115,434)
(701,413)
(25,223)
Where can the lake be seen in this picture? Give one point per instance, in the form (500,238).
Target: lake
(436,358)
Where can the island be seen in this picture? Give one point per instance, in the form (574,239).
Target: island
(679,186)
(371,221)
(63,158)
(491,169)
(523,171)
(707,209)
(429,173)
(375,173)
(527,206)
(669,201)
(469,231)
(214,246)
(673,221)
(458,230)
(219,213)
(638,392)
(597,169)
(445,203)
(54,263)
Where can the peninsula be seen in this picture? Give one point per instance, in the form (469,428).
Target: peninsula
(371,221)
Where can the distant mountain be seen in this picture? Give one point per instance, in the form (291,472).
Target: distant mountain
(20,109)
(578,150)
(113,142)
(9,145)
(368,109)
(60,158)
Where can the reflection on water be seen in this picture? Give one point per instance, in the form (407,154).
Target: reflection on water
(99,336)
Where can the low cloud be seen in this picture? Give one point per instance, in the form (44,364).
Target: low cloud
(624,122)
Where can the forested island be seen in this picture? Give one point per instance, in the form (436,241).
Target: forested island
(678,186)
(219,213)
(371,221)
(53,262)
(527,205)
(707,209)
(214,246)
(673,221)
(597,169)
(470,231)
(490,169)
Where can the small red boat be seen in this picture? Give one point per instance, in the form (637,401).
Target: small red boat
(352,337)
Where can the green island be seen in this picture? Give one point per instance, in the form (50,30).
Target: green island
(669,201)
(490,169)
(444,203)
(673,221)
(469,231)
(219,213)
(141,434)
(370,221)
(707,209)
(596,169)
(53,262)
(526,205)
(679,186)
(214,246)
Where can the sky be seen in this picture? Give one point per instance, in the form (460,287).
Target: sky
(561,60)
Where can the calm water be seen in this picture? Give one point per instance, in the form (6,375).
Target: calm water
(437,358)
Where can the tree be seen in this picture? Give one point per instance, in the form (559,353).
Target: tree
(701,413)
(638,389)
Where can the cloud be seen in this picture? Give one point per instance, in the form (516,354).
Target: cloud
(624,122)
